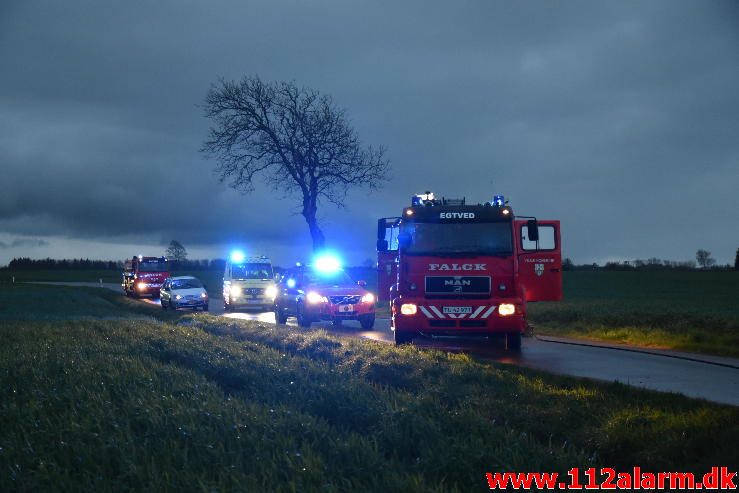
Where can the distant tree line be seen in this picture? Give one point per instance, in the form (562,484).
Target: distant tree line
(25,263)
(644,265)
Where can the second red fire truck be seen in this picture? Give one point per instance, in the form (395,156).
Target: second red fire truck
(144,276)
(449,268)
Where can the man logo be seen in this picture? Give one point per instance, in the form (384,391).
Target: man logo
(539,269)
(457,289)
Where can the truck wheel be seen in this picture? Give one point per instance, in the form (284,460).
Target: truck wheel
(513,341)
(280,315)
(205,308)
(367,321)
(403,337)
(303,319)
(172,306)
(164,307)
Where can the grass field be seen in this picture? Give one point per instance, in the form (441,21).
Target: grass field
(165,402)
(685,310)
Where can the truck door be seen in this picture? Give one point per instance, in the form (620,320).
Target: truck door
(540,262)
(387,255)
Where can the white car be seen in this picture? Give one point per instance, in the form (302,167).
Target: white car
(183,292)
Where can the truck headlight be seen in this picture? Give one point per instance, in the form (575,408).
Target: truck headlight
(140,285)
(368,298)
(506,309)
(271,292)
(314,297)
(203,295)
(408,309)
(235,291)
(178,296)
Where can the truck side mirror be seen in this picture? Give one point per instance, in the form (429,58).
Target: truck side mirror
(382,245)
(532,230)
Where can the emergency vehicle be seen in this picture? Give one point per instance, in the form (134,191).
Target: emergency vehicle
(323,291)
(248,283)
(144,275)
(451,269)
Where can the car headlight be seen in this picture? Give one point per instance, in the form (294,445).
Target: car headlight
(314,297)
(271,292)
(368,298)
(235,291)
(506,309)
(203,294)
(178,296)
(408,309)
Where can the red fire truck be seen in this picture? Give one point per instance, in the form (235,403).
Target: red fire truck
(450,269)
(144,275)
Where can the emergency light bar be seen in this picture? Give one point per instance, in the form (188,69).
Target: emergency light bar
(237,257)
(498,201)
(422,198)
(327,263)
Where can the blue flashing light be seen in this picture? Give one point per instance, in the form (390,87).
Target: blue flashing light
(498,201)
(237,257)
(291,283)
(327,263)
(415,201)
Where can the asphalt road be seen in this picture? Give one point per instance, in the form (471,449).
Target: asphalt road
(707,377)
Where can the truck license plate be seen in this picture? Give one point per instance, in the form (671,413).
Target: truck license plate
(346,308)
(457,309)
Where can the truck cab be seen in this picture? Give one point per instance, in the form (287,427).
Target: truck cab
(248,283)
(466,269)
(144,276)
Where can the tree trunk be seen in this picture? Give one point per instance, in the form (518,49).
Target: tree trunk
(309,213)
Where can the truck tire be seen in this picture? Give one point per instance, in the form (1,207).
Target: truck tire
(367,322)
(303,320)
(205,308)
(403,337)
(280,315)
(513,341)
(161,302)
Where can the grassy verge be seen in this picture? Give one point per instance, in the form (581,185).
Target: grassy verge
(690,311)
(197,402)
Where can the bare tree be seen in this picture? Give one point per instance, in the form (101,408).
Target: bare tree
(295,139)
(176,252)
(703,257)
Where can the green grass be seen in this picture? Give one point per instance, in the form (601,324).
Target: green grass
(68,275)
(195,402)
(690,311)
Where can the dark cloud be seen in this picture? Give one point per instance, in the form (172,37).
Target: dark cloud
(23,243)
(618,118)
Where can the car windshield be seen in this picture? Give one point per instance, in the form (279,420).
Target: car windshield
(252,271)
(337,278)
(153,266)
(186,284)
(494,238)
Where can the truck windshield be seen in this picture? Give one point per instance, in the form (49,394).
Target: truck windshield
(252,271)
(338,278)
(153,266)
(493,238)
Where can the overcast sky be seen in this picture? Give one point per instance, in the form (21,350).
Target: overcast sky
(619,118)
